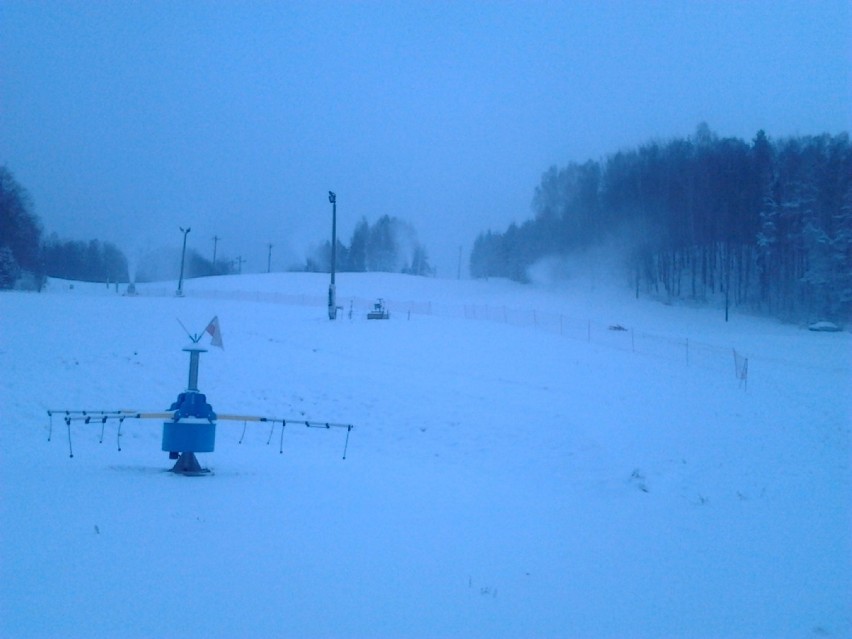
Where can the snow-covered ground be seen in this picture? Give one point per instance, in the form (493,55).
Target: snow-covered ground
(544,477)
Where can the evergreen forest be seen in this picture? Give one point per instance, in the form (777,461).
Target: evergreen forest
(765,225)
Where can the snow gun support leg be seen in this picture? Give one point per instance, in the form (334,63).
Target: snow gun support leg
(187,464)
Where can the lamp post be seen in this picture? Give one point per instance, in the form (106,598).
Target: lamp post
(332,293)
(185,232)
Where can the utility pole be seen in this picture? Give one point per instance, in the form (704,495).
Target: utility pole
(216,239)
(269,259)
(182,260)
(332,292)
(239,262)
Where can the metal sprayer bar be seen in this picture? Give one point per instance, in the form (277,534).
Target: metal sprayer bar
(102,416)
(50,413)
(97,415)
(119,415)
(282,420)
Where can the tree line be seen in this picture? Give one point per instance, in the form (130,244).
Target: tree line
(96,261)
(765,224)
(26,259)
(92,261)
(390,245)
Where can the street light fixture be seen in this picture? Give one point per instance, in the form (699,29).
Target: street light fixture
(182,260)
(332,293)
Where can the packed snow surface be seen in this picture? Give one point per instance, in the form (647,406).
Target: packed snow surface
(527,461)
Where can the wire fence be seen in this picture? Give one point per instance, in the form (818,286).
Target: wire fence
(689,351)
(615,336)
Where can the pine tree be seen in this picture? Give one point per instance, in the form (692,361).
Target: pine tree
(20,230)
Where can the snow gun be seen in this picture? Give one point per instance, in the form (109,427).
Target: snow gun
(189,425)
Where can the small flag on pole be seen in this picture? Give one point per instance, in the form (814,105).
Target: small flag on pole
(215,333)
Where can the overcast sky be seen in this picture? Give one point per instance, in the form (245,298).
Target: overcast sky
(125,120)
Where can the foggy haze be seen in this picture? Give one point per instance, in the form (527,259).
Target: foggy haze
(126,120)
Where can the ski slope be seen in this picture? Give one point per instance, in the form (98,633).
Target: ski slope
(502,480)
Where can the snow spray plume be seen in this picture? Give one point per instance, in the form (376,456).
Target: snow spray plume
(608,264)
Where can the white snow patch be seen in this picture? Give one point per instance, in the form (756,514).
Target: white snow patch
(502,481)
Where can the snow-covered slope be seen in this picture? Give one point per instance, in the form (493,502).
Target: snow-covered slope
(541,476)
